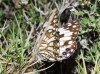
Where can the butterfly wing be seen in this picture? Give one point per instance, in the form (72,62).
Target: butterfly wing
(55,43)
(49,48)
(59,43)
(67,41)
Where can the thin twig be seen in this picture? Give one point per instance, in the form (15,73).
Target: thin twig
(4,26)
(39,70)
(65,5)
(57,6)
(84,65)
(96,64)
(39,10)
(38,41)
(26,17)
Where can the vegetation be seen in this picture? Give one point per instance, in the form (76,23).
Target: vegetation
(20,24)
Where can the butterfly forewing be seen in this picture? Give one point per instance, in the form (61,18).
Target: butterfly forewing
(49,48)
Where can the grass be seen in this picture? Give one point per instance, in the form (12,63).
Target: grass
(91,57)
(18,31)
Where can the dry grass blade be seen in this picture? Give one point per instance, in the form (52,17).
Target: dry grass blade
(38,41)
(84,65)
(39,70)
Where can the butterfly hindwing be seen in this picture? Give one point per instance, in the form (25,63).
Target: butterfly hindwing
(68,34)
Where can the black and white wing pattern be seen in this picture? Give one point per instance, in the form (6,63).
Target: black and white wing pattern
(67,39)
(59,43)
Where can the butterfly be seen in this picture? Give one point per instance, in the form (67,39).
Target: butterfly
(58,43)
